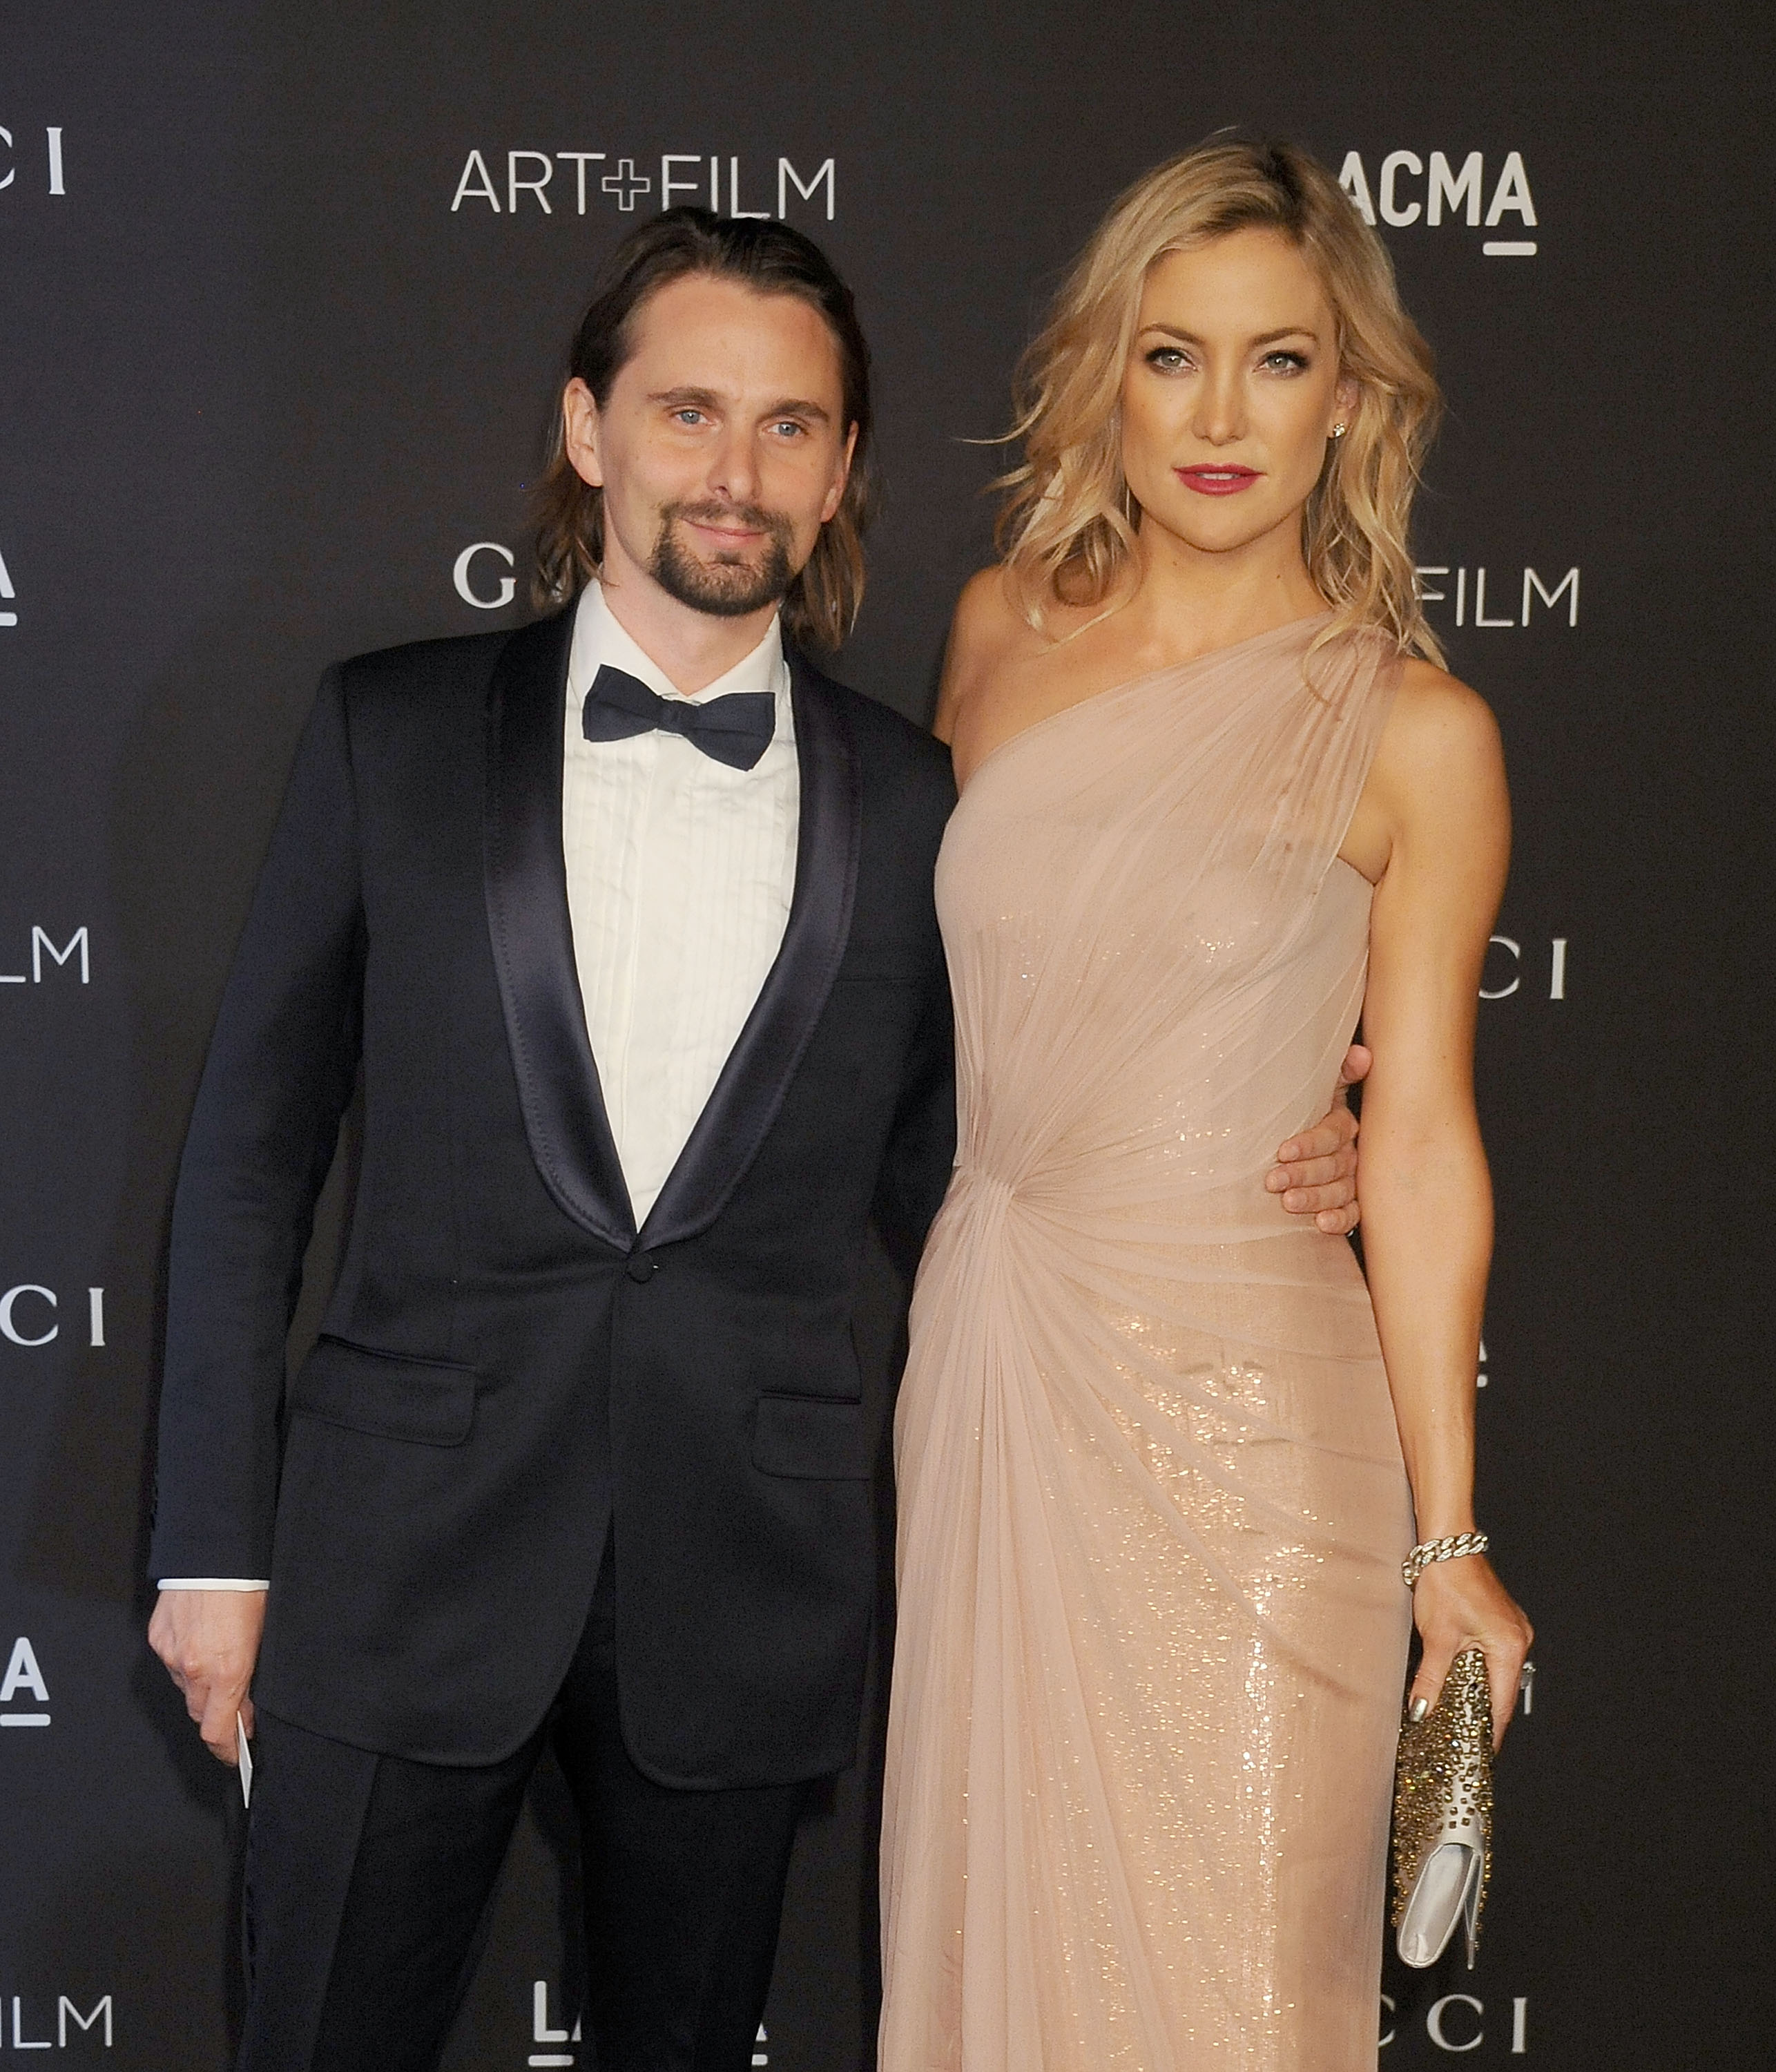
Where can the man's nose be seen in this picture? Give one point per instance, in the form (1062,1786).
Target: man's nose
(733,471)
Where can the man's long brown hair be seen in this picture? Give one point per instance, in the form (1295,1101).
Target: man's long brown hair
(821,604)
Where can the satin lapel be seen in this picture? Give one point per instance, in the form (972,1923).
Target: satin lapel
(753,1081)
(532,936)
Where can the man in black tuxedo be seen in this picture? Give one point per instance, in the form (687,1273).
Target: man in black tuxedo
(626,920)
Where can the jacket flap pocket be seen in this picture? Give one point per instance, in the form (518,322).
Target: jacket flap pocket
(387,1394)
(819,1437)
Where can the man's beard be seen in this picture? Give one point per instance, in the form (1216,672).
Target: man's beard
(731,587)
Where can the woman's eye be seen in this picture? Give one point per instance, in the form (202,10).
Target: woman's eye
(1168,359)
(1287,363)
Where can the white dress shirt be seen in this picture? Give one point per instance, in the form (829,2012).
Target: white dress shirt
(680,874)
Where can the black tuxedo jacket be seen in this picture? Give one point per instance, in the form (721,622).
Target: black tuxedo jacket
(508,1368)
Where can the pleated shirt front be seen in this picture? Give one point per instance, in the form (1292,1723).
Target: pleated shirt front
(680,874)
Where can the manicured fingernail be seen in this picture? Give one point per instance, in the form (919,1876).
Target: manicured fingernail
(1420,1707)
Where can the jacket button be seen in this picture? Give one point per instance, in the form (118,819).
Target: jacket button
(641,1267)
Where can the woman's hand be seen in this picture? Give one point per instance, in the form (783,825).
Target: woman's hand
(1461,1604)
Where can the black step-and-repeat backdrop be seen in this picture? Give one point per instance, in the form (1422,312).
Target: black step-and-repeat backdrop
(286,295)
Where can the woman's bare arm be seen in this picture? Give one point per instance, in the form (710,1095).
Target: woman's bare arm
(1437,800)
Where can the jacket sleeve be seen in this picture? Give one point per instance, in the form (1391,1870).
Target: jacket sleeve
(280,1071)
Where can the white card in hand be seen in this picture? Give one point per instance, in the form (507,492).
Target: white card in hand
(243,1749)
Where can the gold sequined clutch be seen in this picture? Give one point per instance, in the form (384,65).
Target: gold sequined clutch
(1443,1817)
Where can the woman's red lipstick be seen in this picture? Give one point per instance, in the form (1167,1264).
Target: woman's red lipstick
(1224,478)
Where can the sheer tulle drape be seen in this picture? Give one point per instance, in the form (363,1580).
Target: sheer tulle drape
(1152,1631)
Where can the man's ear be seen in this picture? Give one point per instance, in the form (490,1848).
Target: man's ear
(580,433)
(835,496)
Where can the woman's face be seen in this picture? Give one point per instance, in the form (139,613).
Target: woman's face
(1231,392)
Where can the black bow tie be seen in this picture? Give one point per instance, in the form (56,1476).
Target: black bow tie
(735,730)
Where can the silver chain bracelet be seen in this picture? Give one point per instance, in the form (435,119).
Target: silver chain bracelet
(1450,1549)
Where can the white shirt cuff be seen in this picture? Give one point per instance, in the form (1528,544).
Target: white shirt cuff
(209,1583)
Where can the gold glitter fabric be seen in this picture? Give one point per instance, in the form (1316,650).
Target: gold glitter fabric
(1443,1783)
(1152,1634)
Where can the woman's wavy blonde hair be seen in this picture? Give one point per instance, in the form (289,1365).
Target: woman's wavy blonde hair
(1067,529)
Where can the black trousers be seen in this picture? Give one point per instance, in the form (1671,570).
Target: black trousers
(367,1877)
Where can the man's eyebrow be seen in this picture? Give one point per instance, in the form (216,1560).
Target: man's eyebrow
(1264,338)
(797,406)
(677,398)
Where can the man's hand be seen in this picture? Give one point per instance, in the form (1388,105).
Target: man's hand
(1316,1172)
(209,1640)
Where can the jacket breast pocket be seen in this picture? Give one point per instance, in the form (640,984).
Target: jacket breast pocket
(388,1395)
(817,1438)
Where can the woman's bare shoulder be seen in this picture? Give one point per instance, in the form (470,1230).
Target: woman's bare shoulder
(988,632)
(1439,772)
(1438,723)
(986,611)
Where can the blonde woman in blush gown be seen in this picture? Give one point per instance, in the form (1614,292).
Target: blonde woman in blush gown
(1160,1451)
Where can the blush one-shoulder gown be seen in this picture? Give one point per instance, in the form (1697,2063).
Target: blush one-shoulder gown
(1152,1635)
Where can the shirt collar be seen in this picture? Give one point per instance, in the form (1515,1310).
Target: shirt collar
(598,639)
